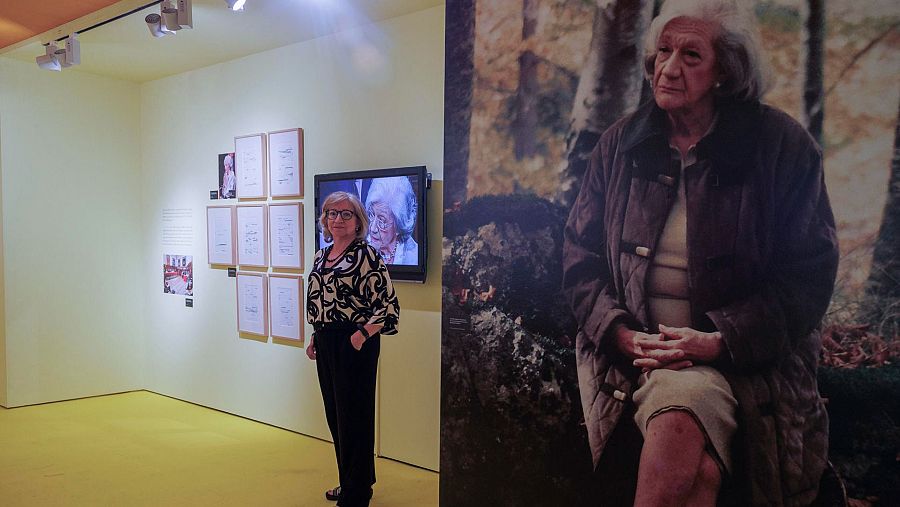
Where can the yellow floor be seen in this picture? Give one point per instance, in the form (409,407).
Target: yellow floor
(141,448)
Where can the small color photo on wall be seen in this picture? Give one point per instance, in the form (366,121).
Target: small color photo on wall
(178,275)
(227,179)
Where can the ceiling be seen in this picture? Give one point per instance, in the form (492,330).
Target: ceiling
(124,48)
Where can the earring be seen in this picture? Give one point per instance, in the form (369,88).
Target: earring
(718,84)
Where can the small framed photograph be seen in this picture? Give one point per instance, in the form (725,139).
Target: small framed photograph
(252,311)
(220,234)
(286,302)
(178,275)
(251,235)
(286,235)
(227,176)
(250,159)
(286,163)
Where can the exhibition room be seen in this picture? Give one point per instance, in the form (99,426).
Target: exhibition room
(623,237)
(113,167)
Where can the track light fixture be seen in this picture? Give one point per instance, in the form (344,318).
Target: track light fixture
(171,18)
(56,58)
(235,5)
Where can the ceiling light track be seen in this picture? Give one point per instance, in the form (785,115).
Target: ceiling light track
(116,18)
(173,16)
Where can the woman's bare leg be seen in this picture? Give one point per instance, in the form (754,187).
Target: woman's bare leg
(674,467)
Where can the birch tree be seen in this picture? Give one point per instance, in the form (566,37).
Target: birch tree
(526,120)
(610,82)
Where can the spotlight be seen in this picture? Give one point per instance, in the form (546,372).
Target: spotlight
(48,60)
(235,5)
(154,24)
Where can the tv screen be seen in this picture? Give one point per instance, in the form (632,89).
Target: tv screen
(395,201)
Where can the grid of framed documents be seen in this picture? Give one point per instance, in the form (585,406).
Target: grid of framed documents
(262,241)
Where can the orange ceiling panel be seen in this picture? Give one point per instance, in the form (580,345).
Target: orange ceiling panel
(22,19)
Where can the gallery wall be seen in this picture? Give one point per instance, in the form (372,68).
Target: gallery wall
(369,98)
(71,206)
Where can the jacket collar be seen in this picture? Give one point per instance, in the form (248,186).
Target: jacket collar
(730,144)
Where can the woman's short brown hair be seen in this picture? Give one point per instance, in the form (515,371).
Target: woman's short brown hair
(338,197)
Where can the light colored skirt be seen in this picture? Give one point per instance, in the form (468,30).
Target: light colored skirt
(699,390)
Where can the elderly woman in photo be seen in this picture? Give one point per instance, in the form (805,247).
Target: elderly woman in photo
(226,191)
(699,259)
(391,206)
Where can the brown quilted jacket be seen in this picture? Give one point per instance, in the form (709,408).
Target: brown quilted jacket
(761,264)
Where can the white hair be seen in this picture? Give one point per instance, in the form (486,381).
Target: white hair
(736,44)
(397,193)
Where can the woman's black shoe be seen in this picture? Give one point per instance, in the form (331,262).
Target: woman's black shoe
(334,494)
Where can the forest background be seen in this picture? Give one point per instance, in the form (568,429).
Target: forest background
(530,85)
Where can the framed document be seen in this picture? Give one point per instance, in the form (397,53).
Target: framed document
(220,234)
(286,163)
(285,300)
(250,170)
(252,315)
(251,235)
(286,235)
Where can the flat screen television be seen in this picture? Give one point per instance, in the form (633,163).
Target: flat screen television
(395,200)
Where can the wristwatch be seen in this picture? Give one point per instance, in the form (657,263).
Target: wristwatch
(362,329)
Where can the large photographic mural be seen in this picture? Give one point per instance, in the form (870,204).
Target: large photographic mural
(530,86)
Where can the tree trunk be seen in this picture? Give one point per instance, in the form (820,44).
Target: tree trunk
(882,300)
(646,89)
(459,74)
(525,123)
(814,83)
(610,82)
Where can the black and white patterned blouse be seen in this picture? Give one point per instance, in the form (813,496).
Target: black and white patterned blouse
(356,289)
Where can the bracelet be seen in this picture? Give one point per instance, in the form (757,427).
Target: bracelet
(362,329)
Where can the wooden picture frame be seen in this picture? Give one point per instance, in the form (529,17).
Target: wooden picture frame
(220,228)
(252,235)
(286,235)
(286,307)
(252,303)
(286,163)
(250,166)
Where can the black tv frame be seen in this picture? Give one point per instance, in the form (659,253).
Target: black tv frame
(398,272)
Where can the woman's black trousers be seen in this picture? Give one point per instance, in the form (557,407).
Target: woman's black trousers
(347,380)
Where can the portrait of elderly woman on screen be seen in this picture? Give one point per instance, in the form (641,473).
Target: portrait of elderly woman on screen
(392,207)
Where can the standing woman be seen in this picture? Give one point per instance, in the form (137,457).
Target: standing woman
(699,260)
(350,303)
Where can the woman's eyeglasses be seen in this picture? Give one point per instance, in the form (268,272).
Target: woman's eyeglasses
(345,214)
(380,221)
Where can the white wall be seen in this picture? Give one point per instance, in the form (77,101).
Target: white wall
(352,120)
(71,206)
